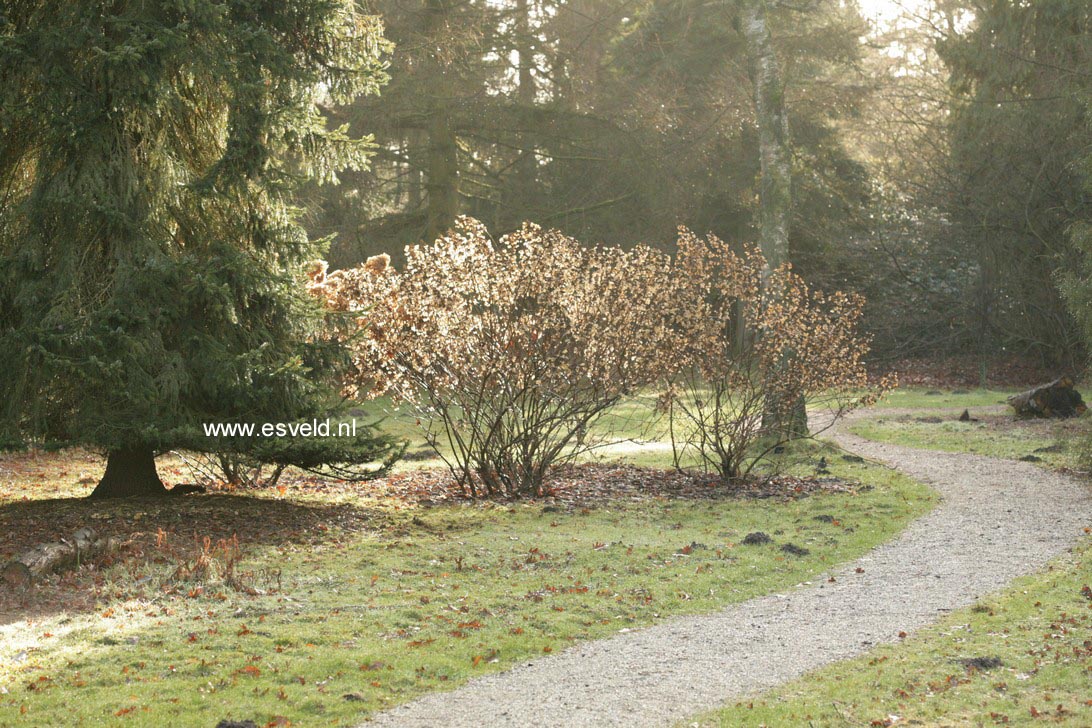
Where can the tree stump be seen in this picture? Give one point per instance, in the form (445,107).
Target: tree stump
(1057,399)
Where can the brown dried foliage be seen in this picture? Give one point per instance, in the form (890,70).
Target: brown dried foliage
(754,344)
(513,350)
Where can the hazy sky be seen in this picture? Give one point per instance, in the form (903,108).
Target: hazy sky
(888,9)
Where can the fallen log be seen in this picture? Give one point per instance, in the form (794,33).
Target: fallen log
(1057,399)
(49,557)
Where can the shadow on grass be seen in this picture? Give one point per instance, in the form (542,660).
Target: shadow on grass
(151,535)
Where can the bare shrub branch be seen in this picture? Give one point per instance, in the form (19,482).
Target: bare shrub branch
(511,351)
(753,343)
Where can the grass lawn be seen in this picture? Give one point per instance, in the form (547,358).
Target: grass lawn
(1038,628)
(1050,443)
(350,599)
(1053,443)
(364,600)
(630,430)
(921,398)
(1036,667)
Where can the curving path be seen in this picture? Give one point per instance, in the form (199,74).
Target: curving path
(998,519)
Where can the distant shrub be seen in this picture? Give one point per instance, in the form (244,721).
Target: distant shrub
(512,351)
(252,463)
(752,345)
(231,470)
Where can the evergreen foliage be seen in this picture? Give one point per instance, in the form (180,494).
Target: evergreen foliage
(151,257)
(611,120)
(1020,78)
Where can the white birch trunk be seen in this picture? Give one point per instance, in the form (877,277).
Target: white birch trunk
(775,191)
(775,165)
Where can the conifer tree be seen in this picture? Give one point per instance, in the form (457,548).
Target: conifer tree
(1018,128)
(151,259)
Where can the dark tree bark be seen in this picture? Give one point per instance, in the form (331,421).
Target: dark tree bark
(443,175)
(130,472)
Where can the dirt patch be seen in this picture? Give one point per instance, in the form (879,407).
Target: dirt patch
(592,485)
(981,663)
(151,536)
(957,372)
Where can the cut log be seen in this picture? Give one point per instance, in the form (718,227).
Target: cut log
(45,558)
(1057,399)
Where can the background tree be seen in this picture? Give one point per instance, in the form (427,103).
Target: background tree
(905,260)
(1077,285)
(775,180)
(151,258)
(479,120)
(973,137)
(611,120)
(615,120)
(1020,76)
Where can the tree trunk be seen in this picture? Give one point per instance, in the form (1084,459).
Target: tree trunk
(442,163)
(775,184)
(526,168)
(414,192)
(130,472)
(1057,399)
(443,175)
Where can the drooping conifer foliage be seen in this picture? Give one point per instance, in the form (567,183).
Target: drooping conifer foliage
(151,261)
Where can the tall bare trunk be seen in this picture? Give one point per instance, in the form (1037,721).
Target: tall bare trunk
(443,174)
(526,170)
(414,196)
(442,164)
(775,191)
(775,184)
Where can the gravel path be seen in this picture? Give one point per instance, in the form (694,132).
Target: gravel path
(998,519)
